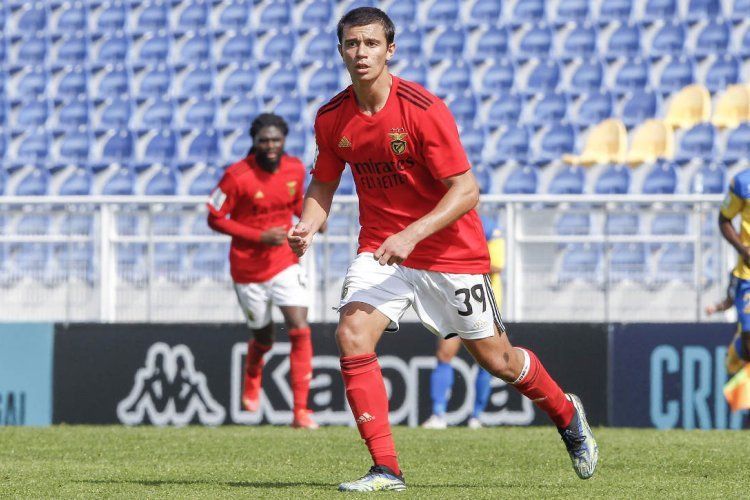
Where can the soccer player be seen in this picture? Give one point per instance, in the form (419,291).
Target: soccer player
(421,244)
(254,203)
(736,202)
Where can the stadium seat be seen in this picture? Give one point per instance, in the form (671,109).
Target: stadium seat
(651,141)
(189,47)
(74,146)
(118,145)
(732,107)
(75,262)
(697,144)
(669,224)
(321,45)
(580,261)
(112,49)
(572,11)
(32,260)
(210,261)
(622,223)
(529,11)
(633,75)
(277,44)
(157,112)
(237,46)
(194,15)
(492,44)
(537,42)
(29,50)
(628,261)
(319,14)
(724,71)
(291,108)
(690,106)
(346,185)
(153,16)
(660,9)
(606,143)
(112,16)
(505,109)
(153,80)
(199,112)
(614,180)
(70,17)
(297,141)
(569,180)
(115,113)
(709,179)
(71,49)
(73,112)
(639,106)
(33,146)
(443,12)
(678,73)
(239,79)
(463,106)
(33,18)
(559,139)
(131,262)
(625,41)
(240,146)
(235,14)
(474,139)
(121,183)
(161,146)
(573,223)
(713,39)
(455,78)
(242,109)
(741,10)
(30,82)
(550,108)
(513,144)
(544,77)
(703,9)
(522,180)
(203,145)
(587,77)
(669,40)
(163,183)
(615,10)
(661,179)
(70,82)
(30,113)
(483,176)
(594,108)
(34,183)
(153,47)
(282,80)
(196,80)
(76,184)
(499,77)
(276,14)
(738,144)
(449,43)
(675,263)
(582,41)
(111,81)
(324,81)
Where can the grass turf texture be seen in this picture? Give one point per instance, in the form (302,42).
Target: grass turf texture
(278,462)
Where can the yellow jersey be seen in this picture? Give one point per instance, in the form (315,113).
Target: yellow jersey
(496,247)
(736,202)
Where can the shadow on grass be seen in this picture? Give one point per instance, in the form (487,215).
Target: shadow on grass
(234,484)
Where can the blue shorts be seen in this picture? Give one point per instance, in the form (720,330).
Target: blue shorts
(742,304)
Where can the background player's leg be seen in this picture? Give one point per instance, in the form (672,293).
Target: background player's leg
(441,382)
(261,341)
(300,361)
(360,327)
(481,396)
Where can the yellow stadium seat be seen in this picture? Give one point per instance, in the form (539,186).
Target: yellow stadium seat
(606,143)
(690,106)
(651,141)
(732,107)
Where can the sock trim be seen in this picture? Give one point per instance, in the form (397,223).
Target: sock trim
(526,366)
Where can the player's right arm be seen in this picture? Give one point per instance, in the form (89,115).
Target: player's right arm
(733,205)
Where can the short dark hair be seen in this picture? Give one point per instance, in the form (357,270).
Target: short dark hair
(264,120)
(363,16)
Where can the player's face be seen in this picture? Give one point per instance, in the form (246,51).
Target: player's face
(365,51)
(269,146)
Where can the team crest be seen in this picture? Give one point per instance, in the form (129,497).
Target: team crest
(398,142)
(292,187)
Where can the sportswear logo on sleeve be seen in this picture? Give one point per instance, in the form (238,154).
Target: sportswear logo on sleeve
(398,142)
(217,199)
(344,142)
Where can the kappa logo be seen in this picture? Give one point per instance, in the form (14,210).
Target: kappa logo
(168,390)
(364,418)
(344,142)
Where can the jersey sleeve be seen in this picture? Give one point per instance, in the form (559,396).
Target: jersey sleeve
(223,198)
(443,152)
(733,202)
(327,167)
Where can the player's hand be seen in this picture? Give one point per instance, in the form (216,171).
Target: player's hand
(710,309)
(394,250)
(299,238)
(274,236)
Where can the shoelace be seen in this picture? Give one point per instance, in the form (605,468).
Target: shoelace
(573,442)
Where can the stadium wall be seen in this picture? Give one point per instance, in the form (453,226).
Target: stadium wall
(635,375)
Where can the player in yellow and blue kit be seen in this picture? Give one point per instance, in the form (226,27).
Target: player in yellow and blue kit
(737,202)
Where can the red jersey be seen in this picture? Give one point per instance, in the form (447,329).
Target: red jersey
(397,157)
(258,200)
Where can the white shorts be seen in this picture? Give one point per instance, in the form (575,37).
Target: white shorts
(288,288)
(447,304)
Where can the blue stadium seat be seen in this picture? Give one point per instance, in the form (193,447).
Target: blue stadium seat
(34,146)
(153,81)
(545,77)
(669,40)
(699,10)
(112,81)
(581,42)
(443,12)
(675,263)
(73,112)
(240,146)
(73,82)
(322,44)
(513,144)
(163,183)
(71,17)
(402,13)
(235,15)
(595,108)
(194,15)
(118,145)
(113,16)
(499,77)
(463,106)
(741,10)
(474,139)
(199,113)
(633,75)
(724,71)
(33,18)
(678,73)
(537,42)
(131,262)
(522,180)
(204,146)
(669,224)
(660,9)
(297,141)
(164,222)
(199,225)
(157,112)
(662,179)
(573,224)
(614,180)
(278,45)
(551,108)
(291,108)
(346,185)
(242,109)
(210,261)
(580,261)
(75,261)
(697,143)
(277,14)
(78,221)
(713,39)
(625,41)
(615,10)
(32,81)
(569,180)
(193,47)
(162,146)
(34,183)
(112,49)
(30,113)
(622,223)
(587,77)
(122,183)
(154,47)
(628,261)
(639,106)
(77,184)
(319,14)
(505,109)
(529,11)
(29,49)
(115,113)
(169,262)
(32,260)
(485,12)
(559,139)
(71,49)
(491,44)
(324,81)
(738,144)
(710,179)
(240,79)
(153,16)
(238,46)
(449,43)
(196,80)
(283,80)
(572,11)
(74,146)
(455,78)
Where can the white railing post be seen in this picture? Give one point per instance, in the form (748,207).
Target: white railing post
(512,259)
(107,267)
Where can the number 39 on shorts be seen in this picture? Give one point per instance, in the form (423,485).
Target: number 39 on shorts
(467,294)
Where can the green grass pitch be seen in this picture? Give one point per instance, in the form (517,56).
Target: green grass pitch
(278,462)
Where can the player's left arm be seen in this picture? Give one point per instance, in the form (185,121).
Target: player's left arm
(462,196)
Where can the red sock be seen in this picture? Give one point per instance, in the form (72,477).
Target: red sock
(254,359)
(368,399)
(536,384)
(300,360)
